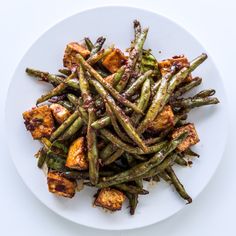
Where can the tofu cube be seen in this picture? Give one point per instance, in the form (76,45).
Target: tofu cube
(59,112)
(178,61)
(163,120)
(60,185)
(71,50)
(76,158)
(39,121)
(110,199)
(191,139)
(114,60)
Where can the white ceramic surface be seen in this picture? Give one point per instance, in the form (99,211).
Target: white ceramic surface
(46,54)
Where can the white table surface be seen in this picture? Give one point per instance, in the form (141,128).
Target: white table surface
(213,23)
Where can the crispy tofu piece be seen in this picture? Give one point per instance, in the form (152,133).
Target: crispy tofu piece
(39,121)
(60,185)
(163,120)
(59,112)
(71,50)
(114,60)
(76,158)
(110,199)
(190,140)
(178,61)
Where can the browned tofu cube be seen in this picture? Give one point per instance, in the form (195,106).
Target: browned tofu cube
(71,50)
(163,120)
(76,158)
(59,112)
(110,199)
(39,121)
(60,185)
(178,61)
(190,140)
(114,60)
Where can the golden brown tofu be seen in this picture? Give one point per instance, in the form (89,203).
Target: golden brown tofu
(114,60)
(71,50)
(163,120)
(76,158)
(178,61)
(60,185)
(190,140)
(59,112)
(110,199)
(39,121)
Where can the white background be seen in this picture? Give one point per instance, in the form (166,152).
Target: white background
(213,24)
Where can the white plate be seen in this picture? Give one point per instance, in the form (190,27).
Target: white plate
(115,23)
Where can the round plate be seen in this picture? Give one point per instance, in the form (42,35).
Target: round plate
(166,39)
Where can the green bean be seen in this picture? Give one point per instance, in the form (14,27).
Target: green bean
(73,83)
(45,76)
(155,87)
(73,129)
(107,151)
(83,175)
(97,46)
(56,162)
(133,57)
(89,43)
(143,101)
(131,189)
(164,175)
(191,153)
(190,103)
(115,125)
(184,73)
(144,167)
(92,149)
(73,99)
(65,71)
(91,135)
(142,104)
(137,84)
(113,157)
(157,103)
(122,118)
(41,155)
(84,87)
(101,71)
(177,184)
(56,91)
(133,202)
(181,161)
(64,126)
(99,55)
(117,77)
(101,123)
(149,62)
(169,160)
(205,93)
(128,148)
(137,30)
(106,85)
(132,162)
(187,87)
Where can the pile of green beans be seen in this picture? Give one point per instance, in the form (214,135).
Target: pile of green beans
(114,116)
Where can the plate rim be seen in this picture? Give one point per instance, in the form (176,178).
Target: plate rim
(173,21)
